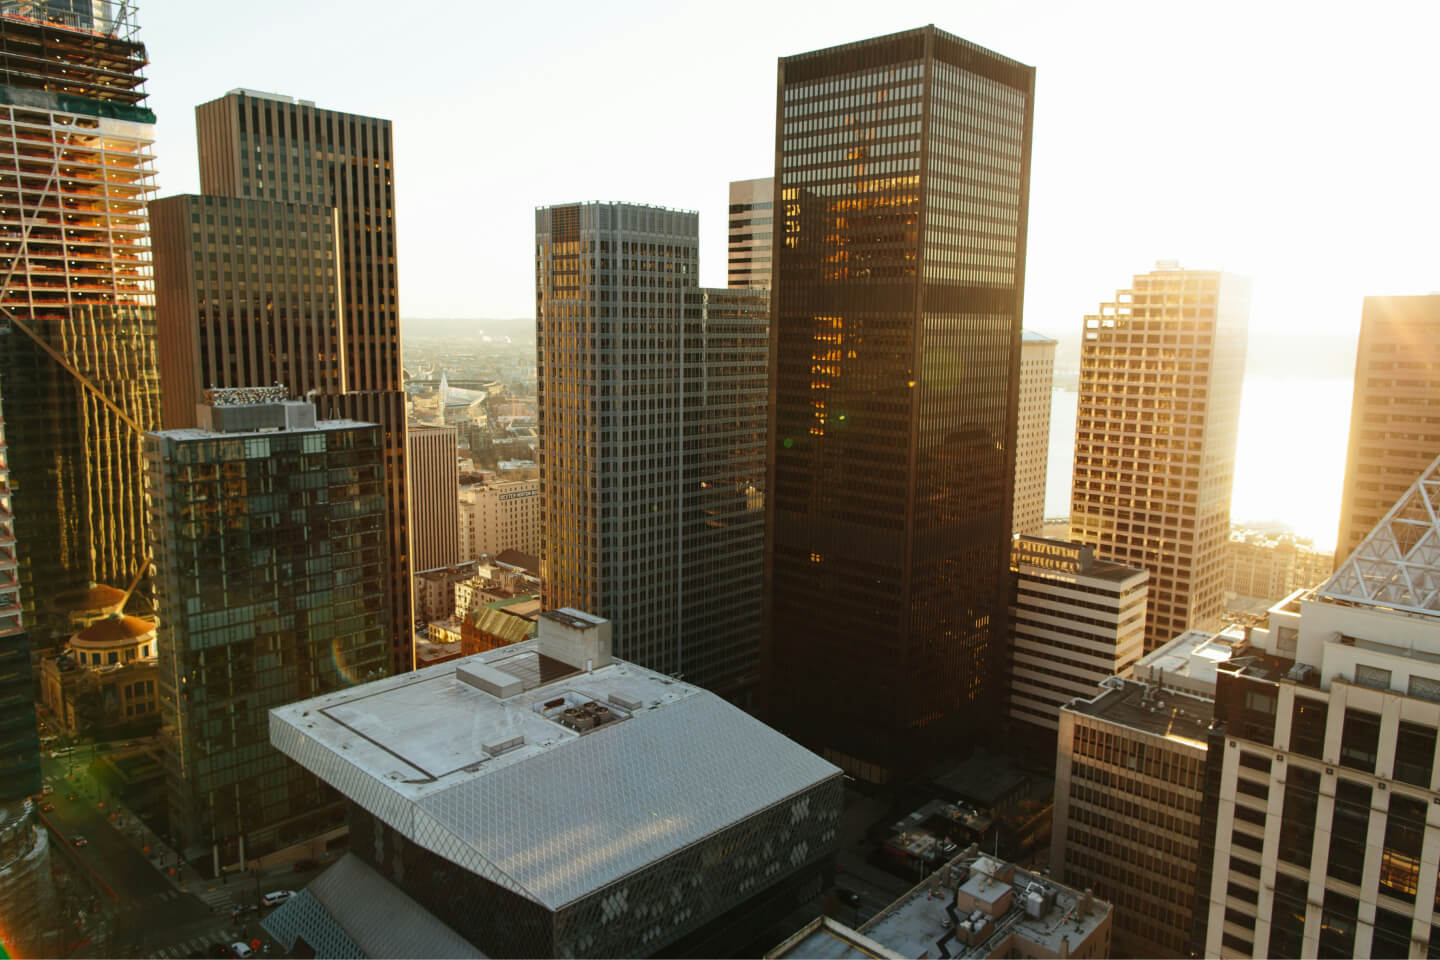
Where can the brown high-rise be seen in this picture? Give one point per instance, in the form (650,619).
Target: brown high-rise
(902,173)
(1161,369)
(298,287)
(433,466)
(1394,434)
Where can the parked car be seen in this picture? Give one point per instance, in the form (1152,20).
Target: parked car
(241,950)
(276,897)
(79,841)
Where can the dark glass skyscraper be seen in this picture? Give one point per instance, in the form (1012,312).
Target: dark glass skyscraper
(270,550)
(902,165)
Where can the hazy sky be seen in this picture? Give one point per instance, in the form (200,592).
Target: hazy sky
(1296,143)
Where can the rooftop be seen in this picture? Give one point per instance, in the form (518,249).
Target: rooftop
(540,776)
(996,901)
(1149,709)
(1192,656)
(1397,565)
(1030,336)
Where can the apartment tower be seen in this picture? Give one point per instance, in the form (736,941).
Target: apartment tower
(271,551)
(1161,371)
(752,229)
(1032,434)
(286,273)
(902,166)
(1394,431)
(434,469)
(77,322)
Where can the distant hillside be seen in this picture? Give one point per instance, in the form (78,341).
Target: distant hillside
(419,328)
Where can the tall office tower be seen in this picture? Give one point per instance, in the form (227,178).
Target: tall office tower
(903,168)
(610,286)
(434,469)
(265,147)
(1161,371)
(1032,434)
(1393,431)
(232,316)
(269,542)
(1076,621)
(1321,823)
(77,323)
(651,411)
(752,231)
(726,348)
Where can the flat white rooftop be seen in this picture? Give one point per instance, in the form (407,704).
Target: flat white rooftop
(541,777)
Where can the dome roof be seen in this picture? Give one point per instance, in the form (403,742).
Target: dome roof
(114,629)
(99,597)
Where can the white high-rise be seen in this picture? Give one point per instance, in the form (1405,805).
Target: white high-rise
(1032,433)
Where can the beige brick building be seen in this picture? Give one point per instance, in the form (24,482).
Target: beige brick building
(1160,379)
(499,516)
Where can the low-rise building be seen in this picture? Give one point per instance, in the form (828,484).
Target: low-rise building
(546,799)
(104,682)
(435,590)
(1271,565)
(498,516)
(973,907)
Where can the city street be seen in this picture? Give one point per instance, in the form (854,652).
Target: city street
(118,891)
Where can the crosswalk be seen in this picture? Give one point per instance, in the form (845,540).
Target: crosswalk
(218,900)
(193,945)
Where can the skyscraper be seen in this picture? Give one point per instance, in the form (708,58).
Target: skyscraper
(434,497)
(271,557)
(311,192)
(752,232)
(651,414)
(1393,434)
(1032,435)
(902,166)
(77,323)
(1161,370)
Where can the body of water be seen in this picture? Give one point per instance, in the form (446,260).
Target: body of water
(1289,461)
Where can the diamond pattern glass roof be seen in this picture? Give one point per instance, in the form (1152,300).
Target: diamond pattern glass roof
(563,813)
(1398,564)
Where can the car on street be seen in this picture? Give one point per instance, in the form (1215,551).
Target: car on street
(241,950)
(848,896)
(47,808)
(47,789)
(276,897)
(79,841)
(243,909)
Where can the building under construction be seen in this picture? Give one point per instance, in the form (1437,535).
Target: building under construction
(77,333)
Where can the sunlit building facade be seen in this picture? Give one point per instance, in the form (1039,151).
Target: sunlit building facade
(269,542)
(434,497)
(1032,434)
(902,172)
(77,323)
(752,232)
(1394,429)
(1161,371)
